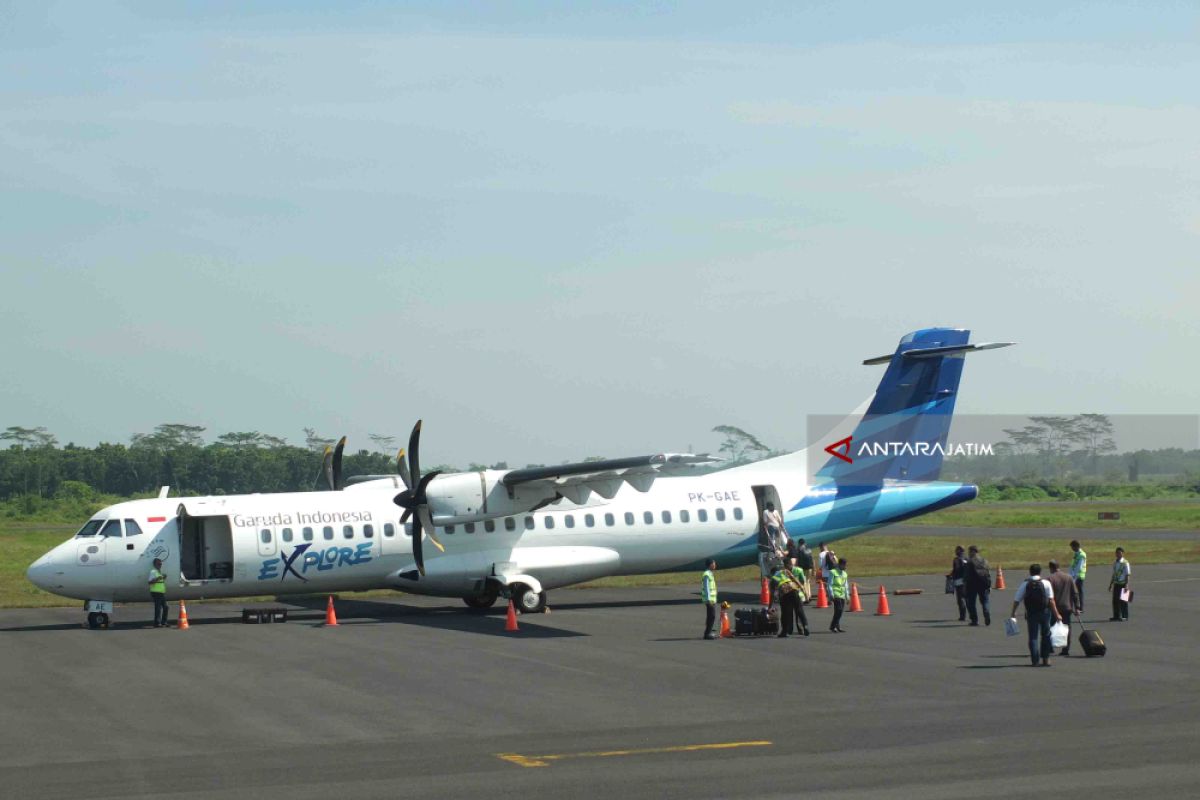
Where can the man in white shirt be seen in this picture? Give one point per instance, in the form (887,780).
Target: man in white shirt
(1038,595)
(1118,584)
(776,540)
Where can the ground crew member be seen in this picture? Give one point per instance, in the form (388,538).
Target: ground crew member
(804,559)
(708,593)
(801,596)
(158,593)
(839,591)
(1078,572)
(787,590)
(1038,595)
(1065,597)
(957,569)
(1118,584)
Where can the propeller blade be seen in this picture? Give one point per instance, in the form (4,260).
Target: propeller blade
(327,466)
(402,468)
(427,523)
(414,458)
(338,481)
(404,517)
(418,555)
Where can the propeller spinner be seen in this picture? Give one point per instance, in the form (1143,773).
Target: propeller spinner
(413,499)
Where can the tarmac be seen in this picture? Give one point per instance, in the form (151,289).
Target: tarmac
(611,694)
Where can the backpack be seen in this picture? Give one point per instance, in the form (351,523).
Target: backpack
(1035,596)
(982,573)
(804,559)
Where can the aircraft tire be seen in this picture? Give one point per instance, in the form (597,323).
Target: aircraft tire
(527,601)
(480,602)
(97,620)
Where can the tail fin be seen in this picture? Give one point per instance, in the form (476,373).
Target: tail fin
(903,434)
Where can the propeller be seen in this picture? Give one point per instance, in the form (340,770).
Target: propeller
(332,465)
(413,499)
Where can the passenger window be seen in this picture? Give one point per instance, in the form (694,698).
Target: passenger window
(648,517)
(549,523)
(449,529)
(369,531)
(308,534)
(628,517)
(702,515)
(132,529)
(469,527)
(720,515)
(389,530)
(327,532)
(408,529)
(510,524)
(112,529)
(529,523)
(489,525)
(570,521)
(666,515)
(287,534)
(265,535)
(609,520)
(589,520)
(737,513)
(684,516)
(348,531)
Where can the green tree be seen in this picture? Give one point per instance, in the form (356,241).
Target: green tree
(739,446)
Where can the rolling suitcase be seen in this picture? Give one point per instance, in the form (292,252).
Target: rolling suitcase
(743,622)
(766,621)
(1092,644)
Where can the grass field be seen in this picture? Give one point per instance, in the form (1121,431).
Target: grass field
(872,555)
(1135,515)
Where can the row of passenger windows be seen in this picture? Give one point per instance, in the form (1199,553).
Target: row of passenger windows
(590,521)
(510,524)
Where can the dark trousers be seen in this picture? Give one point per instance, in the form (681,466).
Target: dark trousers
(1079,591)
(1120,607)
(1038,623)
(984,602)
(1066,651)
(801,617)
(839,605)
(787,613)
(160,607)
(710,618)
(960,596)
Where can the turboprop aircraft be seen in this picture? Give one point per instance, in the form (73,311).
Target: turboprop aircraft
(518,533)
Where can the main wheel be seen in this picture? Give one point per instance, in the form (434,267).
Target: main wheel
(480,602)
(528,601)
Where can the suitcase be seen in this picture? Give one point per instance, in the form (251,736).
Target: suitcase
(743,622)
(766,621)
(1092,644)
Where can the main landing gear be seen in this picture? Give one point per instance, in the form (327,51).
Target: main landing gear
(481,602)
(525,599)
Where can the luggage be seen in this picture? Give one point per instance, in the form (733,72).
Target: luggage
(1059,634)
(770,620)
(1011,627)
(755,621)
(743,622)
(1092,644)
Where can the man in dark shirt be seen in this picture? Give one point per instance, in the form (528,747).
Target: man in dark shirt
(958,569)
(1066,597)
(977,583)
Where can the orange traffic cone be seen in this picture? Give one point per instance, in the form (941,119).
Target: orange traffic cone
(822,598)
(764,596)
(855,603)
(1000,578)
(883,610)
(183,622)
(330,615)
(510,624)
(725,632)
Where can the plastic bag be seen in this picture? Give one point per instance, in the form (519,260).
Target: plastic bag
(1059,633)
(1011,628)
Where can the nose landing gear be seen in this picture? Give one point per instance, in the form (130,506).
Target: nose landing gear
(97,621)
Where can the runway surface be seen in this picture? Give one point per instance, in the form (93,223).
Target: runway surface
(1065,535)
(613,692)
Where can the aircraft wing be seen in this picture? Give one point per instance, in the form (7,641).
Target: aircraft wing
(576,481)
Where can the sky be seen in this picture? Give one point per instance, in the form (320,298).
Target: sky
(557,230)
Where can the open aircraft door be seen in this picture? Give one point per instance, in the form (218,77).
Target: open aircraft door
(205,544)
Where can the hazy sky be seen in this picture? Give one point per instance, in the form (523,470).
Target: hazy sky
(558,230)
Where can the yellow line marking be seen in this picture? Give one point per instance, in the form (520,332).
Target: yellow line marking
(544,761)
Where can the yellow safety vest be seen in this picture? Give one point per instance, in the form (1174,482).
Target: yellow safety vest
(1079,564)
(708,587)
(838,582)
(160,585)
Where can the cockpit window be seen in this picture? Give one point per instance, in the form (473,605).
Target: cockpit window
(112,528)
(90,528)
(132,529)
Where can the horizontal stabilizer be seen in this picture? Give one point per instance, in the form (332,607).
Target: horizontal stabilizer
(937,352)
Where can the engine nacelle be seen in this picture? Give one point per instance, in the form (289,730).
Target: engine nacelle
(472,496)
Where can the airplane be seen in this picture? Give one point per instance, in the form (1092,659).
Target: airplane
(519,533)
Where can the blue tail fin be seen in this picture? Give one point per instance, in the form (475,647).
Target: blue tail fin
(904,432)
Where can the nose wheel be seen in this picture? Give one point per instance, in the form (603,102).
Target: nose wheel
(97,621)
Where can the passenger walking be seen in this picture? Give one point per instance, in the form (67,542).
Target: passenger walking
(1118,585)
(839,593)
(829,561)
(977,584)
(1038,595)
(1065,597)
(708,593)
(158,593)
(958,569)
(802,596)
(1078,571)
(776,534)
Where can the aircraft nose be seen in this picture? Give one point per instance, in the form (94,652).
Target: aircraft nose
(40,572)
